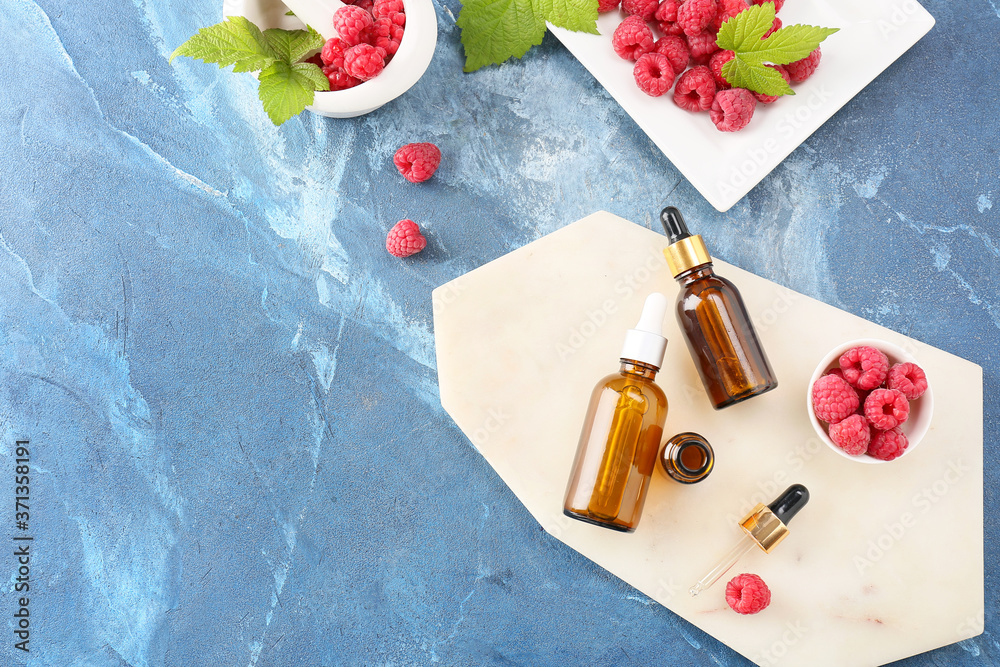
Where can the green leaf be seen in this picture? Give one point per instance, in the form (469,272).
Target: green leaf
(293,45)
(236,41)
(285,90)
(759,78)
(495,30)
(313,72)
(577,15)
(746,28)
(787,45)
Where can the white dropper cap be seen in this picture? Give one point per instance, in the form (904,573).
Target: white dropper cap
(645,342)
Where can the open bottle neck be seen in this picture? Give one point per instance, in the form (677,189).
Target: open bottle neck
(638,368)
(695,273)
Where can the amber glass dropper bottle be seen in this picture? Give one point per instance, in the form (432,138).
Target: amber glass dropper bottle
(711,313)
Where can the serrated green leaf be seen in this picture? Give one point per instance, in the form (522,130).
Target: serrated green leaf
(495,30)
(293,45)
(758,78)
(313,72)
(577,15)
(746,28)
(236,41)
(787,45)
(285,90)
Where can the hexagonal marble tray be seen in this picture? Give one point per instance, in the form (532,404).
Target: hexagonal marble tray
(886,561)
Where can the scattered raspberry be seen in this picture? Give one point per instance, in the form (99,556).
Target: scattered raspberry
(777,3)
(852,435)
(702,47)
(732,109)
(768,99)
(695,16)
(886,408)
(715,63)
(675,49)
(405,239)
(695,89)
(747,594)
(339,79)
(833,399)
(864,367)
(386,8)
(800,70)
(667,11)
(632,38)
(350,22)
(333,52)
(604,6)
(727,9)
(643,8)
(364,61)
(653,74)
(907,378)
(888,445)
(417,162)
(775,27)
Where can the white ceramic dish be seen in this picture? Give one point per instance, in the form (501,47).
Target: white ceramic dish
(921,410)
(723,166)
(407,66)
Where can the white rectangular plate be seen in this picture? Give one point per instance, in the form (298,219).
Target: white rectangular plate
(725,166)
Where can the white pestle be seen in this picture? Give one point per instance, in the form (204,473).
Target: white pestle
(316,13)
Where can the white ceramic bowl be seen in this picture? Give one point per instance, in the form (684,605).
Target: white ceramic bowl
(410,62)
(915,427)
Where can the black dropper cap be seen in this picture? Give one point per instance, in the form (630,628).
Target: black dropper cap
(673,224)
(788,504)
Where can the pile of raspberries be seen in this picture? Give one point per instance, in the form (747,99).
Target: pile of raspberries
(688,32)
(865,401)
(370,33)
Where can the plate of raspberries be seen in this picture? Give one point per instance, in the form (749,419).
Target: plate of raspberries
(659,59)
(870,401)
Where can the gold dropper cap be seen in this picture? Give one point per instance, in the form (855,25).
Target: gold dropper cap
(764,526)
(685,251)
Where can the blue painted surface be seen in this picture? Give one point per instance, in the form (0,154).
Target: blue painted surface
(240,457)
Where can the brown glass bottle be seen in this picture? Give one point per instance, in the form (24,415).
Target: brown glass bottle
(716,326)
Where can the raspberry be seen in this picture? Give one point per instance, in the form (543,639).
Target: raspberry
(643,8)
(833,399)
(907,378)
(715,63)
(604,6)
(727,9)
(800,70)
(387,35)
(695,89)
(732,109)
(366,5)
(695,16)
(886,408)
(632,38)
(777,3)
(888,445)
(671,28)
(350,22)
(852,435)
(775,27)
(768,99)
(417,162)
(675,49)
(747,594)
(333,52)
(653,74)
(364,61)
(835,371)
(405,239)
(666,11)
(864,367)
(702,47)
(339,79)
(386,8)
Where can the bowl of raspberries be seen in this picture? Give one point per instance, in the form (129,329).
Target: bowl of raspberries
(870,401)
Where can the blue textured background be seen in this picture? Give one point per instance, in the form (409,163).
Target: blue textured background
(230,387)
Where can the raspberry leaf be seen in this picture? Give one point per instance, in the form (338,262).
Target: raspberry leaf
(293,45)
(763,80)
(286,90)
(787,45)
(496,30)
(236,41)
(740,32)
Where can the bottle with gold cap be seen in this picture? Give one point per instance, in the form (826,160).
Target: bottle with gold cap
(711,313)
